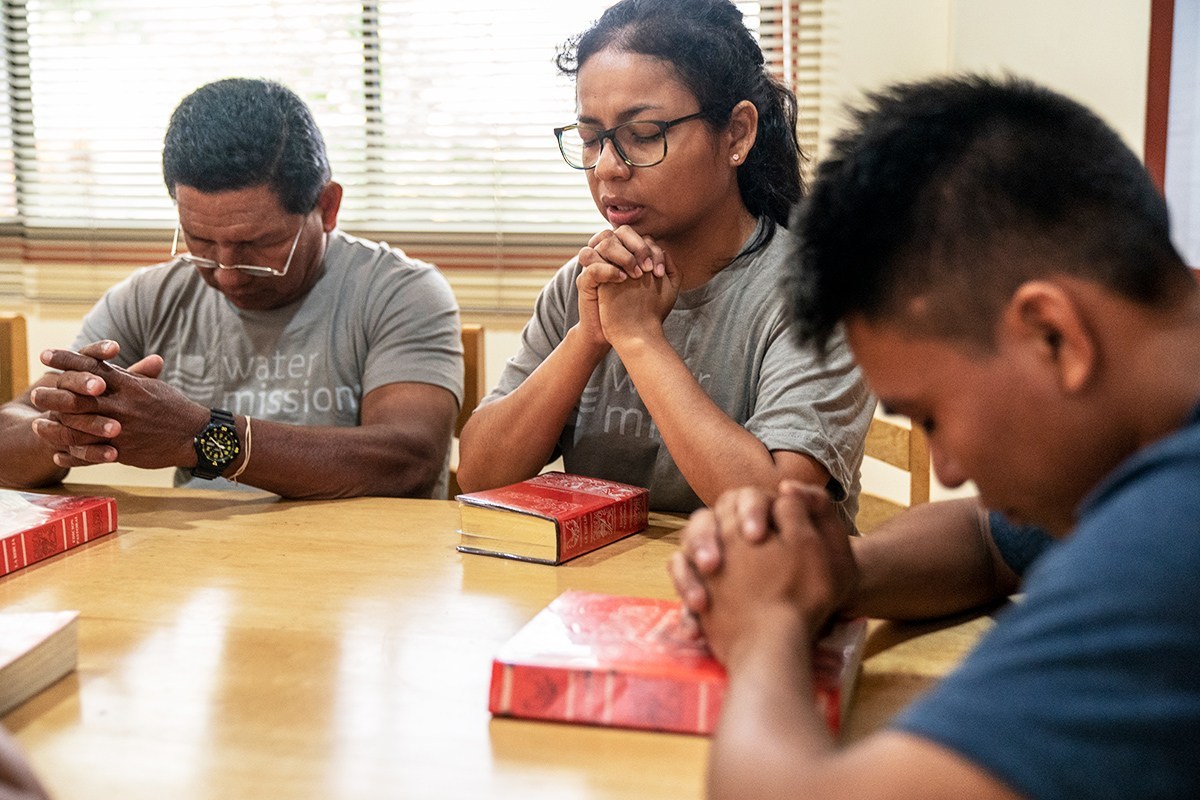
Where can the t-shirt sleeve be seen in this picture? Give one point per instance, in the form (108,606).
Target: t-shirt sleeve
(414,333)
(820,407)
(1087,686)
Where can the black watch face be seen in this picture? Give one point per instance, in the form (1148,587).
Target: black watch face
(219,445)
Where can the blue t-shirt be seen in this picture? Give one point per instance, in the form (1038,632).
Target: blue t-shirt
(1019,545)
(1090,686)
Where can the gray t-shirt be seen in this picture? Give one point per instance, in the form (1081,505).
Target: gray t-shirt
(374,317)
(735,335)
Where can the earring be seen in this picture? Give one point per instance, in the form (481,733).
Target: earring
(736,158)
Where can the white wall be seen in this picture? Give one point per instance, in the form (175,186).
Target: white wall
(1094,52)
(871,44)
(1183,134)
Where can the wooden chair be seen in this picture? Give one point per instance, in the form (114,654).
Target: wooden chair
(901,447)
(14,357)
(474,386)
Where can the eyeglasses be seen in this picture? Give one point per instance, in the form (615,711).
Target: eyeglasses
(639,143)
(208,263)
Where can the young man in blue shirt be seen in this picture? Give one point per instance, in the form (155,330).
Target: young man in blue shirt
(1003,267)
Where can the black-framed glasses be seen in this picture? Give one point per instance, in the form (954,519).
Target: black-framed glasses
(639,143)
(208,263)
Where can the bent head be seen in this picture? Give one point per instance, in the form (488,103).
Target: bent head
(666,59)
(240,132)
(246,165)
(966,230)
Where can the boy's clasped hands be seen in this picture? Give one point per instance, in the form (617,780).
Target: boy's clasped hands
(760,567)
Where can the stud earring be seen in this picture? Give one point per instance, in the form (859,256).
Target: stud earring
(736,158)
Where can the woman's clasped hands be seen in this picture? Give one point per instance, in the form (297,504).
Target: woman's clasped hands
(627,286)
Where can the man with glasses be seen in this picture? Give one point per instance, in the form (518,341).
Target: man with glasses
(271,349)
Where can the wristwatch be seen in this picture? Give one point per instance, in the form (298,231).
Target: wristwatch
(216,446)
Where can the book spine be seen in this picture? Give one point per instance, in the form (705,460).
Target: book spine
(586,532)
(58,535)
(608,698)
(605,697)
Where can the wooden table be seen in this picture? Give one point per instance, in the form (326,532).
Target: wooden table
(236,646)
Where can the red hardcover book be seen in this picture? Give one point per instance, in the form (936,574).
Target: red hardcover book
(602,659)
(550,518)
(34,527)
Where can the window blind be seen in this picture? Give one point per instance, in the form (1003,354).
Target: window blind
(790,34)
(438,116)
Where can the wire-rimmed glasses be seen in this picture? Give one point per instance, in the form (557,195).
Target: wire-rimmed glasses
(208,263)
(639,142)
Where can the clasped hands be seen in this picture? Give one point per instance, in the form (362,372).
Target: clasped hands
(758,568)
(627,286)
(96,413)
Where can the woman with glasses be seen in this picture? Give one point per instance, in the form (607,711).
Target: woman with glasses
(662,354)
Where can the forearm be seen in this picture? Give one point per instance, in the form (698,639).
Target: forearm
(512,438)
(27,461)
(770,736)
(713,452)
(770,743)
(931,560)
(327,462)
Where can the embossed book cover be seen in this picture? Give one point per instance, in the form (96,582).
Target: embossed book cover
(619,661)
(36,526)
(550,518)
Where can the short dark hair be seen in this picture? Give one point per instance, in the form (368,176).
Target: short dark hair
(957,190)
(241,132)
(718,60)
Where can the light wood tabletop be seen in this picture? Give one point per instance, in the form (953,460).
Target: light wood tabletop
(232,645)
